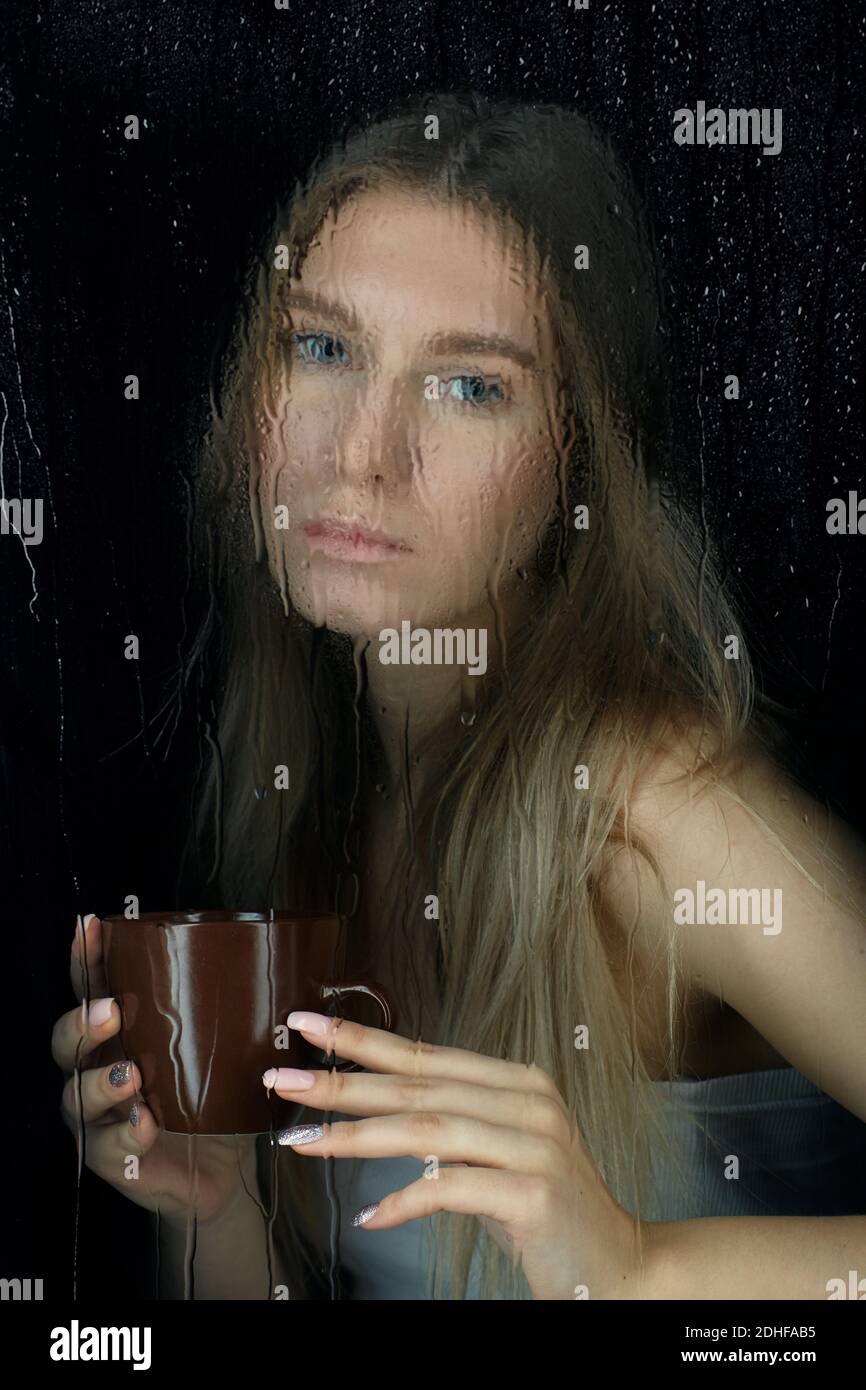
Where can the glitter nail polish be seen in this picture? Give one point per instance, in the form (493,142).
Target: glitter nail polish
(300,1134)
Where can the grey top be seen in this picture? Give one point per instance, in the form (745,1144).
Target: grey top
(799,1154)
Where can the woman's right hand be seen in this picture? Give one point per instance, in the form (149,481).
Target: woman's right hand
(123,1144)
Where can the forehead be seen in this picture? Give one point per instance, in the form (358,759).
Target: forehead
(400,258)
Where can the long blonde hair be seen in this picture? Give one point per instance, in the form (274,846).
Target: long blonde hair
(628,648)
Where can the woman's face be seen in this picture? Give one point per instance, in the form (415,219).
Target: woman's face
(409,468)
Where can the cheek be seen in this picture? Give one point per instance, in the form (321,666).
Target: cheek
(490,489)
(300,447)
(284,446)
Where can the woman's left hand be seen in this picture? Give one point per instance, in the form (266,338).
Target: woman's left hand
(519,1163)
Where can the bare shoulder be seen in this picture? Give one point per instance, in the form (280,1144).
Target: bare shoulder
(763,890)
(696,807)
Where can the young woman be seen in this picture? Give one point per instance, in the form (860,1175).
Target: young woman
(627,951)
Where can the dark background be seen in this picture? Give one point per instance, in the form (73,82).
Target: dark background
(123,257)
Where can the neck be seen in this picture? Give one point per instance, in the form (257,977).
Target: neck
(416,711)
(419,710)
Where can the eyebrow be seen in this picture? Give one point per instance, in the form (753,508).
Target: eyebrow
(318,304)
(439,344)
(491,344)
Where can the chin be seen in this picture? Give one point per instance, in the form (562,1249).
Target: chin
(345,608)
(361,602)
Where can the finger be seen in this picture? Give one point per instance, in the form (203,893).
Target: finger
(108,1148)
(367,1093)
(86,965)
(92,1094)
(490,1194)
(388,1052)
(79,1031)
(426,1136)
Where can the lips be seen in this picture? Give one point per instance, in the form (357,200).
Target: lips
(351,540)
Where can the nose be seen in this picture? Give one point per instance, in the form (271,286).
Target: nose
(373,435)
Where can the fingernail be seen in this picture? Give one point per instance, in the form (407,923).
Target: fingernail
(99,1012)
(365,1214)
(288,1079)
(83,926)
(134,1113)
(301,1134)
(310,1023)
(120,1073)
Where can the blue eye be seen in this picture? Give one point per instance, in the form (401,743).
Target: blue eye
(322,348)
(471,388)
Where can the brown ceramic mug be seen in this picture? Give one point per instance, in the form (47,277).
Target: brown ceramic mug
(204,998)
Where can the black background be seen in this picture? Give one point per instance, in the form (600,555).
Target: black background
(123,256)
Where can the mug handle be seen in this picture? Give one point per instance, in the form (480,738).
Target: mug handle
(358,987)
